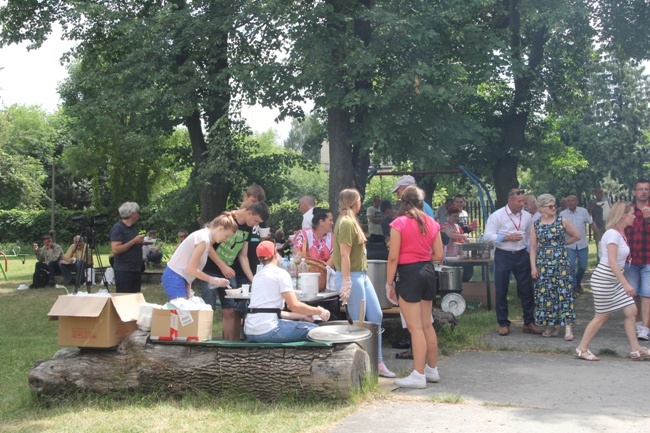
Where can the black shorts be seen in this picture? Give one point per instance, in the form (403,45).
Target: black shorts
(416,282)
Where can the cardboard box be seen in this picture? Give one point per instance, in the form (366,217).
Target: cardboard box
(476,291)
(167,325)
(96,321)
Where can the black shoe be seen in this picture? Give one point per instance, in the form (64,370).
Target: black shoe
(579,289)
(408,354)
(402,344)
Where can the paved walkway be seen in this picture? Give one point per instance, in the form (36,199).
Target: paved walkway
(515,388)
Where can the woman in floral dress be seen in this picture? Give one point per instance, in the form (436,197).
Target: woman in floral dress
(550,269)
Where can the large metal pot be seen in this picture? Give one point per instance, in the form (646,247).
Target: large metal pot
(450,279)
(377,275)
(370,345)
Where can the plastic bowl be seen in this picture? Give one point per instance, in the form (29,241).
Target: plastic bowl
(233,292)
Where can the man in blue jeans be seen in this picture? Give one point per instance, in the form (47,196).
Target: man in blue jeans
(637,271)
(579,251)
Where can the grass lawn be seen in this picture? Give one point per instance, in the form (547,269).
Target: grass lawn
(27,336)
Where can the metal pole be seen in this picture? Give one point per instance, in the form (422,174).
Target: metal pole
(52,231)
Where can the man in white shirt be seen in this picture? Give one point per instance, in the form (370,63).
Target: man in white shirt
(579,251)
(509,228)
(306,205)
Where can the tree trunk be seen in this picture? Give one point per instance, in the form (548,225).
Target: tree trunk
(341,168)
(266,373)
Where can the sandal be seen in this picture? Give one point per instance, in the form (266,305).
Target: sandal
(640,354)
(549,331)
(585,354)
(568,333)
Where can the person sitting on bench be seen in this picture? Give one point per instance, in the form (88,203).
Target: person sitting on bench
(271,288)
(47,261)
(78,258)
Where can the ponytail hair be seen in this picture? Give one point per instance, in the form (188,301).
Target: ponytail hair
(347,198)
(225,220)
(412,206)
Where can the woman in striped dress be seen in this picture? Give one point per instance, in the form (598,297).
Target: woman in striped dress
(611,289)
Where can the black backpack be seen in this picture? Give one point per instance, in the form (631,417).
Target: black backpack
(41,276)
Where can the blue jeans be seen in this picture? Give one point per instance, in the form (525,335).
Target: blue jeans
(639,277)
(362,289)
(583,257)
(286,331)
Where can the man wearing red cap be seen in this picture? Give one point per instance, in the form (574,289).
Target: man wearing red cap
(266,322)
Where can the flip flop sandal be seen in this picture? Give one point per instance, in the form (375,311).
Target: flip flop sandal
(640,355)
(585,355)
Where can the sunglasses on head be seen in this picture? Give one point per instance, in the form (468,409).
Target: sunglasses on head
(517,192)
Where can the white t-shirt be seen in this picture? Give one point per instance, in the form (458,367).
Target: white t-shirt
(306,219)
(266,292)
(612,236)
(181,257)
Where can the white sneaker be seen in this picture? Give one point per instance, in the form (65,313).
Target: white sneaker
(639,325)
(413,380)
(431,373)
(643,334)
(383,371)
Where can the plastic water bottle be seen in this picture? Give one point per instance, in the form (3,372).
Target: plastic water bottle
(293,272)
(303,268)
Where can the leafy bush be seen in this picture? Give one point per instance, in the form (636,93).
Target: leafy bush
(285,216)
(25,227)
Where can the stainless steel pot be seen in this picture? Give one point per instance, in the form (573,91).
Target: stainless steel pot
(370,344)
(450,279)
(377,275)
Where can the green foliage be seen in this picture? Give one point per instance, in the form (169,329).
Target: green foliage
(20,182)
(26,227)
(171,212)
(307,137)
(285,216)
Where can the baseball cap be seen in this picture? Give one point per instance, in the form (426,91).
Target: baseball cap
(265,250)
(404,181)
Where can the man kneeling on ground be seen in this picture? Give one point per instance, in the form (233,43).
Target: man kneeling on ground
(266,322)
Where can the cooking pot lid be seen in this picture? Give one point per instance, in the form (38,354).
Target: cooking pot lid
(453,303)
(338,334)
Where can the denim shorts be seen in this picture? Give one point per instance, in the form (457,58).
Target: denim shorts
(639,277)
(286,331)
(175,285)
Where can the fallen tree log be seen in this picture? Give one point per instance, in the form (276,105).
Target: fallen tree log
(266,373)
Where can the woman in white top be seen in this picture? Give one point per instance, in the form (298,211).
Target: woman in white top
(611,289)
(192,254)
(266,322)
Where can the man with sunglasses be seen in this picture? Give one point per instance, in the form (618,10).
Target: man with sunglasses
(579,251)
(509,229)
(637,270)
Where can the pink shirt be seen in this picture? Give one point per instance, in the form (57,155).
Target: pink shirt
(415,246)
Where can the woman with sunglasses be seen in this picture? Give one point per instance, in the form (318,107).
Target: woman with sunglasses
(550,268)
(612,291)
